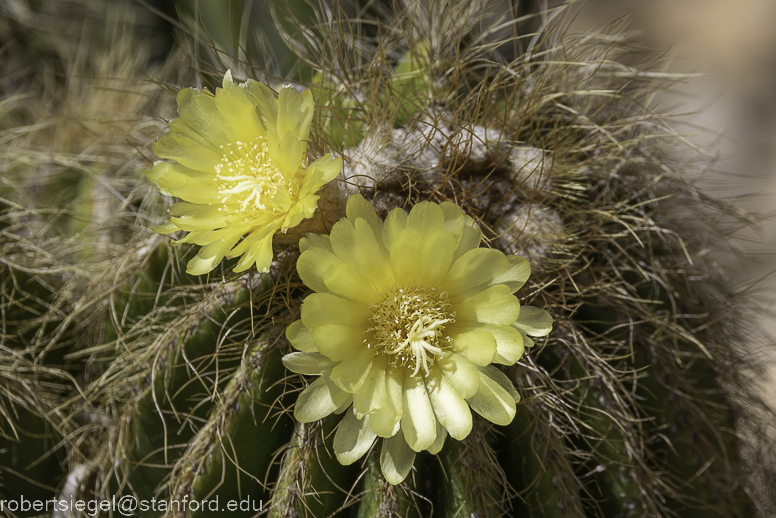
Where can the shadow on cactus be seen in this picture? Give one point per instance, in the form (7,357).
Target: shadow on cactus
(473,142)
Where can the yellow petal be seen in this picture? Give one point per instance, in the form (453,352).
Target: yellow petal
(436,256)
(239,111)
(299,337)
(288,156)
(426,218)
(315,240)
(289,111)
(386,420)
(210,255)
(266,105)
(418,421)
(449,407)
(199,118)
(474,268)
(338,342)
(496,305)
(405,255)
(358,207)
(467,233)
(345,281)
(353,371)
(358,246)
(461,373)
(353,439)
(493,402)
(320,172)
(313,364)
(318,400)
(509,344)
(320,309)
(312,266)
(372,394)
(439,442)
(477,346)
(518,272)
(534,321)
(187,152)
(394,223)
(396,459)
(191,217)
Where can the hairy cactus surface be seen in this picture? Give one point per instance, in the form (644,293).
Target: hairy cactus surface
(148,376)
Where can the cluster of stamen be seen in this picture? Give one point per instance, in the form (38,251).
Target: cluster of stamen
(408,325)
(247,179)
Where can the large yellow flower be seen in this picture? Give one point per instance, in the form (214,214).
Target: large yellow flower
(239,165)
(408,317)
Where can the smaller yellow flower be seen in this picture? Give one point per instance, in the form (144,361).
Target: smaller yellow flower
(239,165)
(408,317)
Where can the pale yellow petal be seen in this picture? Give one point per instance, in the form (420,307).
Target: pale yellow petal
(200,118)
(436,256)
(450,409)
(477,346)
(320,172)
(503,381)
(315,240)
(386,420)
(394,223)
(426,218)
(345,281)
(353,371)
(534,321)
(320,309)
(474,268)
(239,111)
(439,442)
(418,421)
(396,459)
(255,248)
(187,152)
(358,207)
(318,400)
(461,373)
(353,439)
(312,364)
(493,402)
(358,246)
(518,272)
(289,154)
(289,111)
(192,217)
(266,105)
(509,344)
(210,255)
(467,233)
(405,254)
(300,338)
(496,305)
(312,265)
(372,394)
(338,342)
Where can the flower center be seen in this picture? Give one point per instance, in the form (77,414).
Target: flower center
(408,326)
(248,181)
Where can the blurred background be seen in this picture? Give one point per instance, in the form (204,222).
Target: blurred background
(730,108)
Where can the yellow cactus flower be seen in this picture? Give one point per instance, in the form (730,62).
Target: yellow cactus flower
(239,165)
(408,317)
